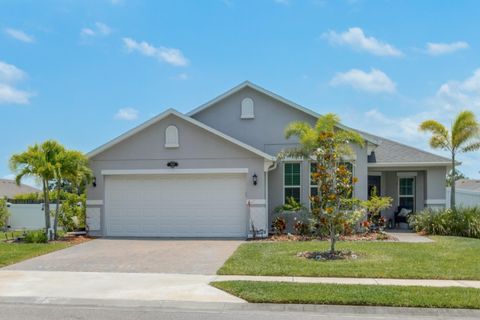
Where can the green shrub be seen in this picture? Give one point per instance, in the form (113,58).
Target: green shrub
(279,225)
(72,212)
(37,236)
(4,213)
(464,222)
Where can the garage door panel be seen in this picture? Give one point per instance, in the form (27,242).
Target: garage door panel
(176,206)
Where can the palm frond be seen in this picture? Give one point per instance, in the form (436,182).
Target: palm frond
(327,122)
(471,147)
(464,129)
(298,129)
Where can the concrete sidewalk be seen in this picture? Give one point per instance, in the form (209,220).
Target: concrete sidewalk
(111,286)
(370,281)
(161,286)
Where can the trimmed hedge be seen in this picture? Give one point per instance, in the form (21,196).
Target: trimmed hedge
(463,222)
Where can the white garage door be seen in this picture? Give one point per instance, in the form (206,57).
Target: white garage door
(203,205)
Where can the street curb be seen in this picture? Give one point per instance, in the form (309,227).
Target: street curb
(221,307)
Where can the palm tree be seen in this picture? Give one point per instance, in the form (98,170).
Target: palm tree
(38,161)
(70,166)
(329,145)
(462,137)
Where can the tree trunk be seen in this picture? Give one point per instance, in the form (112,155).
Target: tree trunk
(46,201)
(57,210)
(452,184)
(332,237)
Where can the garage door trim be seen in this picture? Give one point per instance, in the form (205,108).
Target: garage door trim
(173,171)
(166,228)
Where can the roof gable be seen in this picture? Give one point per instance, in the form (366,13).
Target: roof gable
(248,84)
(190,120)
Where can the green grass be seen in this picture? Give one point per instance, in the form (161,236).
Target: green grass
(364,295)
(446,258)
(15,252)
(4,236)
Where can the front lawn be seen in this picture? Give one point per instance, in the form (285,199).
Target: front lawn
(446,258)
(364,295)
(11,253)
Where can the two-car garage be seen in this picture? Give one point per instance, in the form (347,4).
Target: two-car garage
(159,204)
(173,176)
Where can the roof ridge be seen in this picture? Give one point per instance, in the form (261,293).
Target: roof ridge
(269,93)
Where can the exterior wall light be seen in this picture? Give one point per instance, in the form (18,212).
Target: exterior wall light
(254,179)
(94,182)
(172,164)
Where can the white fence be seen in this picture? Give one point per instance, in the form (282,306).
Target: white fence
(28,216)
(464,198)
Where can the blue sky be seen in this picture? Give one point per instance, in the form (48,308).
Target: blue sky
(83,72)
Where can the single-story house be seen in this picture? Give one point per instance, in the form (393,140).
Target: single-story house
(467,193)
(213,172)
(9,189)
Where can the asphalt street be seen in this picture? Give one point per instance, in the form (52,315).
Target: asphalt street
(53,312)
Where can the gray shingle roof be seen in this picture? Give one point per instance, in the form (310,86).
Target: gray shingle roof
(468,184)
(8,188)
(389,151)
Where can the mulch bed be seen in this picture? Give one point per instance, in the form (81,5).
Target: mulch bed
(73,240)
(327,255)
(370,236)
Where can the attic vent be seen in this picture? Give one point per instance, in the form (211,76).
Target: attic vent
(247,109)
(171,137)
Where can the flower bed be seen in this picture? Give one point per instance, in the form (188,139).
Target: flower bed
(369,236)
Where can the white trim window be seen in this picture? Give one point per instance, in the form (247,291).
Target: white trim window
(406,192)
(171,137)
(292,180)
(313,184)
(247,109)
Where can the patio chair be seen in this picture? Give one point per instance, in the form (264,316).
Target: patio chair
(400,217)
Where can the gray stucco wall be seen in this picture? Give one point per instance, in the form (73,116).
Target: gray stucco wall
(436,185)
(198,149)
(266,132)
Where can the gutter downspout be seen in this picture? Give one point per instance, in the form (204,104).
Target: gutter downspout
(270,168)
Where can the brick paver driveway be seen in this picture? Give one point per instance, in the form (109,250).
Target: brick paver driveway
(136,255)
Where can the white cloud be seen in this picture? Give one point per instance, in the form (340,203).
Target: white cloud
(19,35)
(458,95)
(100,29)
(436,49)
(9,94)
(128,114)
(169,55)
(401,128)
(87,32)
(374,81)
(356,39)
(9,75)
(182,76)
(103,29)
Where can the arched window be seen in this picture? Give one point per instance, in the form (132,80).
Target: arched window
(247,109)
(171,137)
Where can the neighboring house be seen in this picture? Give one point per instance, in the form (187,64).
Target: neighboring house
(213,172)
(467,193)
(9,189)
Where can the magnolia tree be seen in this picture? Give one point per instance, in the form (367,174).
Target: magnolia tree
(329,146)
